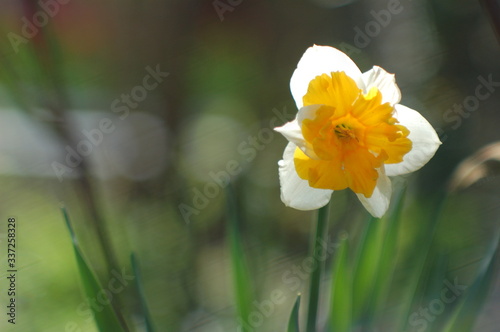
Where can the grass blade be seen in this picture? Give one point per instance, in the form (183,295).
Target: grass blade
(365,266)
(317,251)
(142,297)
(419,267)
(105,318)
(341,297)
(293,323)
(386,263)
(467,312)
(241,280)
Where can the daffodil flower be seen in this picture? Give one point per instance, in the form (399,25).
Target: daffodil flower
(350,132)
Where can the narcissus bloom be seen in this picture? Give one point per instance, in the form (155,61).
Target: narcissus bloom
(350,132)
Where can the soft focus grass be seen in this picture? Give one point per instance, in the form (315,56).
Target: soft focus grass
(226,79)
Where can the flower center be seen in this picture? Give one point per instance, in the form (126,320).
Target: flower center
(352,135)
(344,132)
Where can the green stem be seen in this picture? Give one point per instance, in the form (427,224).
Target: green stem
(318,250)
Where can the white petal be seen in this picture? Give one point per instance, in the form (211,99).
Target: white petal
(319,60)
(293,133)
(385,82)
(296,192)
(307,112)
(425,141)
(378,203)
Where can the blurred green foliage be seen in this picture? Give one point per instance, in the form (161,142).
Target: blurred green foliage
(227,79)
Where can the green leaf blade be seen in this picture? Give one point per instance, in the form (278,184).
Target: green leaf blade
(105,317)
(139,284)
(293,323)
(240,274)
(317,250)
(341,291)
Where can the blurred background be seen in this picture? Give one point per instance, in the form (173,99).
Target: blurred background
(134,115)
